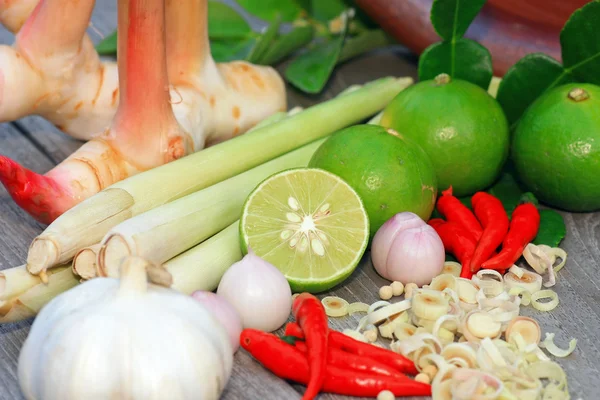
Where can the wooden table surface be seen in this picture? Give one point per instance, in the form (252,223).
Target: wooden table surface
(38,145)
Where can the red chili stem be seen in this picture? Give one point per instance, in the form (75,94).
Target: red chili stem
(457,241)
(490,212)
(346,343)
(524,226)
(455,211)
(342,359)
(287,362)
(310,314)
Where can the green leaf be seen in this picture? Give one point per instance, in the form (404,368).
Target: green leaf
(288,10)
(325,10)
(108,45)
(580,43)
(552,228)
(263,42)
(464,59)
(287,44)
(451,18)
(224,22)
(508,191)
(310,71)
(525,81)
(225,50)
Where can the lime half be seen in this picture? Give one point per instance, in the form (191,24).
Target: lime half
(308,223)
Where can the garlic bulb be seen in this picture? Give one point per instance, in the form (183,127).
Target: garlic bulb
(405,249)
(127,339)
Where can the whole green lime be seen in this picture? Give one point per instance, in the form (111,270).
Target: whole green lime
(459,125)
(556,147)
(389,172)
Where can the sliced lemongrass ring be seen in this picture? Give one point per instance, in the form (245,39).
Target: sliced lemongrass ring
(518,271)
(462,351)
(387,329)
(527,327)
(404,330)
(453,268)
(429,306)
(335,306)
(530,281)
(377,305)
(551,278)
(419,340)
(431,359)
(442,282)
(556,351)
(471,384)
(451,294)
(542,295)
(523,293)
(424,323)
(488,348)
(557,252)
(387,311)
(486,302)
(364,321)
(547,370)
(445,336)
(455,309)
(536,258)
(480,324)
(468,306)
(358,307)
(449,322)
(467,290)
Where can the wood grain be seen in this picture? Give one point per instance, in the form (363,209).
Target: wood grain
(39,145)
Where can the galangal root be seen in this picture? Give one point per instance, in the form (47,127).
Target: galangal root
(173,99)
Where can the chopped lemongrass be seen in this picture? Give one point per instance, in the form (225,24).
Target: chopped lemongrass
(523,293)
(527,327)
(442,282)
(544,295)
(537,258)
(453,268)
(358,307)
(166,231)
(84,262)
(551,277)
(467,291)
(530,281)
(553,349)
(518,271)
(386,292)
(429,305)
(388,328)
(481,324)
(86,223)
(335,306)
(203,266)
(448,322)
(27,303)
(386,312)
(404,330)
(554,253)
(461,351)
(490,282)
(377,305)
(370,334)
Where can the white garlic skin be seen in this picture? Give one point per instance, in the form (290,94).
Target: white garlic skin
(92,342)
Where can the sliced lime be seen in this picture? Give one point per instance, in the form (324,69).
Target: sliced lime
(308,223)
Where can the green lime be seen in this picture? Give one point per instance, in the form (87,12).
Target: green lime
(556,147)
(390,173)
(308,223)
(459,125)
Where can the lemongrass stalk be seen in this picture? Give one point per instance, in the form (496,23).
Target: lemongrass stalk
(87,223)
(163,232)
(203,266)
(84,262)
(32,294)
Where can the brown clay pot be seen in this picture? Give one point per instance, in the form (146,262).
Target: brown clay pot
(508,28)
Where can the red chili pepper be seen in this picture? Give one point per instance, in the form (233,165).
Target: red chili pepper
(311,317)
(457,242)
(342,359)
(490,212)
(455,211)
(287,362)
(524,226)
(346,343)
